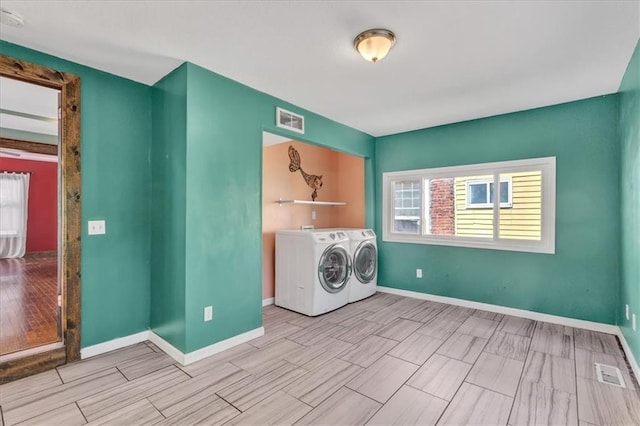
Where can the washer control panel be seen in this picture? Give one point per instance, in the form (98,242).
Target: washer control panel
(337,236)
(368,233)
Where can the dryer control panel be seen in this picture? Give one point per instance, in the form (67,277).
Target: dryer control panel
(327,237)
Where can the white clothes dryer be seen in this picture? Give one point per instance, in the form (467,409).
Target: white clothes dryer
(364,255)
(313,268)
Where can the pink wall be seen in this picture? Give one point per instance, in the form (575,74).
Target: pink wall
(342,178)
(42,223)
(351,190)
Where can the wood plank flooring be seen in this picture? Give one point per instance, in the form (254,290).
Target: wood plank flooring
(28,303)
(382,361)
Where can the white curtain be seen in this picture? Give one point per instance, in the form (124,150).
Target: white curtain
(14,194)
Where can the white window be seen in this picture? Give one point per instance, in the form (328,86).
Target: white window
(407,206)
(507,205)
(480,194)
(10,205)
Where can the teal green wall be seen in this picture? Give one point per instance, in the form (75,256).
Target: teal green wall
(169,191)
(115,145)
(194,232)
(582,279)
(218,201)
(199,206)
(630,208)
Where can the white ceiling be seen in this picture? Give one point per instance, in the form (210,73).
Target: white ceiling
(28,107)
(454,60)
(269,139)
(16,95)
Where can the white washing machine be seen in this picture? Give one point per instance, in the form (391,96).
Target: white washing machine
(364,255)
(363,250)
(313,268)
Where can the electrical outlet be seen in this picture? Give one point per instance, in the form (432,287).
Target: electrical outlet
(96,227)
(626,311)
(418,273)
(313,215)
(633,322)
(208,313)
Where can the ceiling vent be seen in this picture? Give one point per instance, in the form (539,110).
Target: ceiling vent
(609,375)
(290,121)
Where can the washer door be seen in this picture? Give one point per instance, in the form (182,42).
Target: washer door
(365,262)
(334,269)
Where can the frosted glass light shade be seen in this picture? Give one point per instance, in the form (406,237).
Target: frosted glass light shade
(374,45)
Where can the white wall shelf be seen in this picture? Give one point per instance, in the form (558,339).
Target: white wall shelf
(313,203)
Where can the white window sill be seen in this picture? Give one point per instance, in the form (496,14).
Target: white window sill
(482,243)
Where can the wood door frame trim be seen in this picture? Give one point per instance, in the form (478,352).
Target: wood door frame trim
(69,86)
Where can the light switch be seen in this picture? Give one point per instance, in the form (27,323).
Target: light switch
(208,313)
(97,227)
(313,215)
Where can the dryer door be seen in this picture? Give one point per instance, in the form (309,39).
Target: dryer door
(334,269)
(365,262)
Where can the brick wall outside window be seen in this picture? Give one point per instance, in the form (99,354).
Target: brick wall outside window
(442,207)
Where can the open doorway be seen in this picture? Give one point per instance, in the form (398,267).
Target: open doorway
(56,342)
(343,178)
(30,291)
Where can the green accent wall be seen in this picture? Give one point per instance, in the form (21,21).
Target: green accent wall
(581,280)
(630,207)
(175,170)
(115,146)
(168,222)
(214,194)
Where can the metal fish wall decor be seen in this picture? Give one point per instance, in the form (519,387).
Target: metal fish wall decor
(313,181)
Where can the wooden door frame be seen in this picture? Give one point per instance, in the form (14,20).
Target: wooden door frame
(69,158)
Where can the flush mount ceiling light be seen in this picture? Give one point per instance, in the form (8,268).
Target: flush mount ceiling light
(374,44)
(11,18)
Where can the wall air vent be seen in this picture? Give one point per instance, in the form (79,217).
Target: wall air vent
(609,375)
(290,121)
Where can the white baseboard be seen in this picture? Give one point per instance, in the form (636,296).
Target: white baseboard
(267,302)
(167,347)
(114,344)
(630,357)
(191,357)
(555,319)
(223,345)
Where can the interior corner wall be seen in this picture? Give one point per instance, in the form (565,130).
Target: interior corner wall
(115,138)
(581,280)
(225,121)
(42,217)
(168,182)
(630,203)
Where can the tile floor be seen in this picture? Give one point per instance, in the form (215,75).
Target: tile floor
(385,360)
